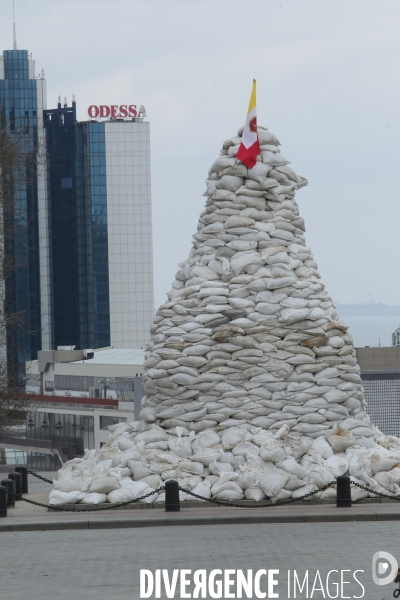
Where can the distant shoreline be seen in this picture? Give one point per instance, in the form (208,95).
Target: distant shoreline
(368,310)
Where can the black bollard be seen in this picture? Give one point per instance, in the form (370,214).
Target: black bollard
(10,486)
(24,475)
(343,491)
(3,501)
(17,477)
(172,501)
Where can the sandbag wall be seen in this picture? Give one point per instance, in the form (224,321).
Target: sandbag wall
(252,388)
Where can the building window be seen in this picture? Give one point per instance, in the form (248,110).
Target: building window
(66,183)
(105,421)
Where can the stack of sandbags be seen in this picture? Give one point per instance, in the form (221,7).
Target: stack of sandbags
(252,388)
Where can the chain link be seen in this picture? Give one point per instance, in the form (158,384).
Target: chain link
(283,503)
(162,488)
(40,477)
(119,505)
(185,491)
(367,489)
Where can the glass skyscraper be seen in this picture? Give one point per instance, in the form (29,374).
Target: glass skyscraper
(22,100)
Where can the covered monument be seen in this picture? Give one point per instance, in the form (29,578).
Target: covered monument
(252,388)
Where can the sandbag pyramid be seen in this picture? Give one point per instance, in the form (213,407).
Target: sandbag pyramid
(252,388)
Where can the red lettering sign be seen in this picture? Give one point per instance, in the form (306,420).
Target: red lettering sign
(115,112)
(93,111)
(104,111)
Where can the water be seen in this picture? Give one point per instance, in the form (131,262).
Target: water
(371,331)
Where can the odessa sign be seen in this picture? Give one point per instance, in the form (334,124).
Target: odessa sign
(125,111)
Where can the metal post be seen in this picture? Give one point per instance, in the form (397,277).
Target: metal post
(24,475)
(17,477)
(9,485)
(172,501)
(343,491)
(3,501)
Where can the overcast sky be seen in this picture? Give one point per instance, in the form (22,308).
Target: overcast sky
(328,77)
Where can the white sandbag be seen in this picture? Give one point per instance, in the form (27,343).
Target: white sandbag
(94,498)
(103,484)
(245,448)
(291,466)
(246,479)
(202,489)
(303,491)
(68,484)
(261,437)
(134,453)
(197,468)
(216,468)
(182,446)
(139,469)
(207,455)
(231,437)
(320,447)
(125,444)
(340,439)
(356,492)
(380,462)
(229,495)
(299,445)
(153,481)
(329,493)
(155,434)
(254,493)
(359,464)
(207,438)
(128,491)
(385,479)
(57,498)
(320,476)
(273,482)
(337,465)
(272,451)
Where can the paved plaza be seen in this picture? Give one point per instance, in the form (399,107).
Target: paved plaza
(93,564)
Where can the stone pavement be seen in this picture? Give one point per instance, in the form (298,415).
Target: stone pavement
(94,564)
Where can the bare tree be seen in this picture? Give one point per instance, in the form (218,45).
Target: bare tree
(20,158)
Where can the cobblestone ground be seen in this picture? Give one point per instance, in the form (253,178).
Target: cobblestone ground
(105,564)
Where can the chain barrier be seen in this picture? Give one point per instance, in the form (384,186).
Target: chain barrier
(161,489)
(39,477)
(367,489)
(119,505)
(210,500)
(283,503)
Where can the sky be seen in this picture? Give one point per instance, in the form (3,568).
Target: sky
(328,85)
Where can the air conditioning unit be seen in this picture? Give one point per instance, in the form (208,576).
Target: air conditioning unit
(88,353)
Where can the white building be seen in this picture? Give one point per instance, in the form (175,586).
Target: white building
(76,398)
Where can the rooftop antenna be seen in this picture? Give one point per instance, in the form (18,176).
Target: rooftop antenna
(14,30)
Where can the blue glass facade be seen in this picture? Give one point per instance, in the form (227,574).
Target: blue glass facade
(19,117)
(77,191)
(94,150)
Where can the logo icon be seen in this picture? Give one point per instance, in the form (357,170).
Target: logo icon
(381,561)
(253,124)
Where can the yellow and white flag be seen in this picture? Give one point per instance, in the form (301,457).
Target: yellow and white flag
(250,148)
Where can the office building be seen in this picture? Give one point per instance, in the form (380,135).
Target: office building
(99,230)
(22,101)
(82,246)
(380,373)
